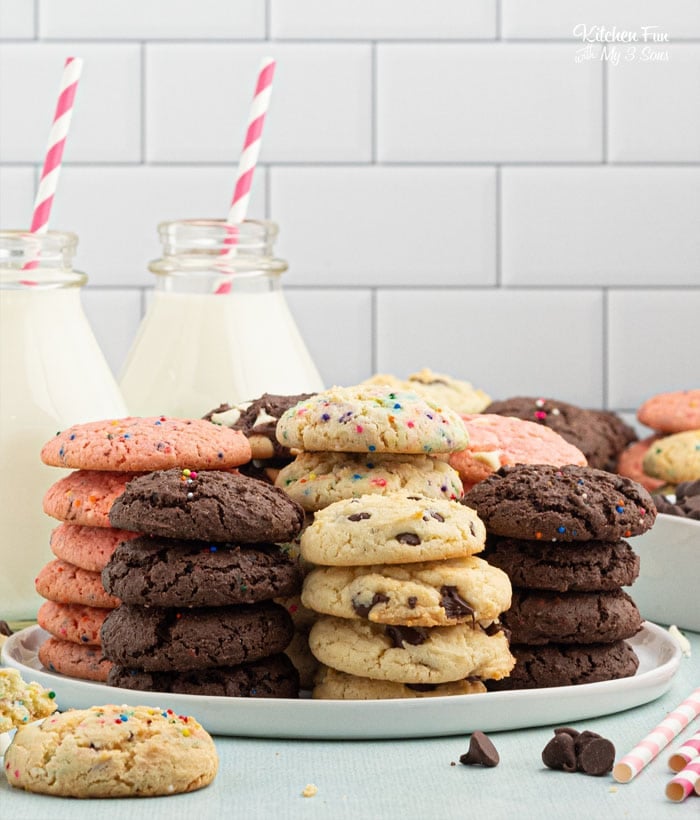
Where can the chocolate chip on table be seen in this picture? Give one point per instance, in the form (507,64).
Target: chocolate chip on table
(5,629)
(571,751)
(481,752)
(560,753)
(596,757)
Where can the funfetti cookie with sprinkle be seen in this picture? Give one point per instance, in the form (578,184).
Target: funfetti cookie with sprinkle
(540,502)
(143,444)
(371,419)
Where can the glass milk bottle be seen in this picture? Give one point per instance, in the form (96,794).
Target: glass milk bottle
(52,375)
(218,328)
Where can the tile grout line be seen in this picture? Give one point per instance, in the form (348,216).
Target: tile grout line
(604,112)
(604,346)
(143,104)
(36,19)
(374,79)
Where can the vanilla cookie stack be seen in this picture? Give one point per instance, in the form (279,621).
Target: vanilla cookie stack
(368,449)
(559,535)
(104,457)
(367,442)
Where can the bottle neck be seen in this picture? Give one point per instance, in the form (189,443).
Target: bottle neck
(38,261)
(211,256)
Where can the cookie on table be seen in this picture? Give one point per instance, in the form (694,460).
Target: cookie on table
(65,583)
(687,501)
(166,640)
(674,458)
(72,622)
(316,480)
(371,418)
(440,388)
(209,505)
(630,460)
(541,502)
(272,677)
(154,571)
(84,497)
(672,412)
(406,654)
(437,593)
(539,667)
(257,420)
(586,567)
(22,703)
(594,433)
(142,444)
(87,547)
(74,660)
(539,617)
(334,685)
(391,529)
(112,751)
(495,441)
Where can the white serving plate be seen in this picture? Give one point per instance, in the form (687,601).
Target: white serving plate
(668,588)
(659,657)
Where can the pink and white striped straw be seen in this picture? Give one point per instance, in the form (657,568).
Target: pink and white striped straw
(642,754)
(251,144)
(687,752)
(57,142)
(54,153)
(684,783)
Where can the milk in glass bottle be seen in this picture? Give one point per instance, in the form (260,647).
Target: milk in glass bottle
(218,328)
(52,375)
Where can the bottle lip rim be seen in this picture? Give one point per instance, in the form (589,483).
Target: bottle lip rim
(61,239)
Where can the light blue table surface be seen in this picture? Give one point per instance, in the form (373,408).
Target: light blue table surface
(407,778)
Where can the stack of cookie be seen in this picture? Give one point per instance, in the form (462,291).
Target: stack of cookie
(369,455)
(557,533)
(408,609)
(104,457)
(671,455)
(357,441)
(197,615)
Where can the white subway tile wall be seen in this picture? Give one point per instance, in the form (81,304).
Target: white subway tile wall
(504,190)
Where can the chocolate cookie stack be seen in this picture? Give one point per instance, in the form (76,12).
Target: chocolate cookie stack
(557,533)
(408,610)
(104,456)
(197,615)
(357,451)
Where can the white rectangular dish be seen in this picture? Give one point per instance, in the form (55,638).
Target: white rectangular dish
(668,588)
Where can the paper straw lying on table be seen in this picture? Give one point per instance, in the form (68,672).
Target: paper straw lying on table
(642,754)
(687,752)
(683,783)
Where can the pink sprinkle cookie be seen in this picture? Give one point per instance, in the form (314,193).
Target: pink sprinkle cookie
(75,661)
(145,444)
(85,496)
(73,622)
(630,464)
(495,441)
(672,412)
(87,547)
(64,583)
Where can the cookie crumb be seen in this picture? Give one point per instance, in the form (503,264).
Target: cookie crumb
(612,789)
(310,790)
